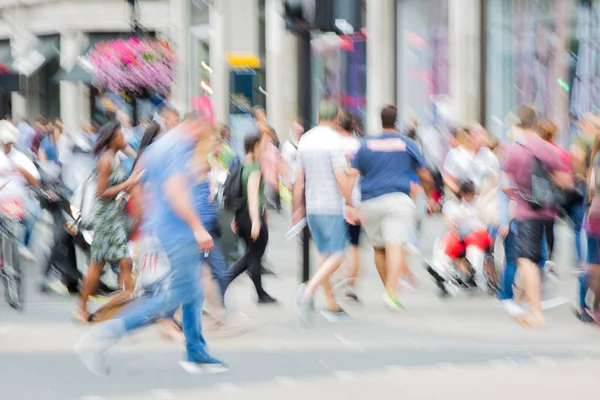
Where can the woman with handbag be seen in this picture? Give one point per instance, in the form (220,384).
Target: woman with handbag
(250,221)
(110,242)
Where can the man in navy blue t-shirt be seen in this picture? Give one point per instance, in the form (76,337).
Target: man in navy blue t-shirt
(387,212)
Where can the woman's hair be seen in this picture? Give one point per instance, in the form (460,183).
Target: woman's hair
(466,188)
(547,130)
(150,134)
(346,120)
(411,133)
(106,134)
(250,143)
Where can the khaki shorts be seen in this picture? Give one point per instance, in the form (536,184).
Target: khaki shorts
(388,219)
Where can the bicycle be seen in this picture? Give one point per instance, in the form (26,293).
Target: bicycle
(11,228)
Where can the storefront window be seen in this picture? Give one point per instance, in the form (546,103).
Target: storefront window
(200,11)
(422,75)
(543,53)
(339,73)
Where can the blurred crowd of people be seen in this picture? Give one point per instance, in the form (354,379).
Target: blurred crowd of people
(169,179)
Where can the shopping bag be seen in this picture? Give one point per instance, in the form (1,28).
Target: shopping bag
(153,264)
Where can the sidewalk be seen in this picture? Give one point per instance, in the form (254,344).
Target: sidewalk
(542,380)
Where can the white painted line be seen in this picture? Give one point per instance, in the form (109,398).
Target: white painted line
(162,394)
(446,366)
(397,369)
(545,361)
(344,375)
(353,346)
(323,364)
(512,362)
(271,348)
(285,381)
(92,398)
(503,363)
(228,388)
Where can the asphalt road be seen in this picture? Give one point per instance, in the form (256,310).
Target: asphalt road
(283,358)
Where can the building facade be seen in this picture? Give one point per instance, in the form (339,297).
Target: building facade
(43,40)
(476,60)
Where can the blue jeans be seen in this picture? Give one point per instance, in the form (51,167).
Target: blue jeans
(184,290)
(217,263)
(510,255)
(576,213)
(32,213)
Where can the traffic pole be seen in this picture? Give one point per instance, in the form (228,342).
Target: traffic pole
(305,105)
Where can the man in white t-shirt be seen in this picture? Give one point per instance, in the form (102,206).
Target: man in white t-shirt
(17,174)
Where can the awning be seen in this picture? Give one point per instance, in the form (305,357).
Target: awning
(9,80)
(5,55)
(77,72)
(46,50)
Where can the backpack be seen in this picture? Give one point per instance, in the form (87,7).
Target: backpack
(543,191)
(233,199)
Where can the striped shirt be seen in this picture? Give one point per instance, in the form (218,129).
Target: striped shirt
(320,154)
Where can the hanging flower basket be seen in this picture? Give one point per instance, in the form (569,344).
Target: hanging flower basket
(133,65)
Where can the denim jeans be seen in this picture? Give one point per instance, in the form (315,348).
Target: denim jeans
(421,205)
(184,289)
(218,264)
(576,213)
(32,213)
(510,255)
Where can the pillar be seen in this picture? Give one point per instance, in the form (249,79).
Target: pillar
(234,28)
(71,46)
(219,77)
(464,53)
(380,60)
(179,32)
(276,66)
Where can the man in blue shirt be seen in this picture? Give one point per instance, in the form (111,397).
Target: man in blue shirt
(171,216)
(385,164)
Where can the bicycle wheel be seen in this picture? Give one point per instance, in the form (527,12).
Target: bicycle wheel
(13,283)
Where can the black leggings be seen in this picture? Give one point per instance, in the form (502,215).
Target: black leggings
(254,251)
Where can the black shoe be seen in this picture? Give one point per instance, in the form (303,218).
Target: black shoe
(266,271)
(584,316)
(266,299)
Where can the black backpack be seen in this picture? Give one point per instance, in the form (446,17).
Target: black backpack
(233,199)
(543,192)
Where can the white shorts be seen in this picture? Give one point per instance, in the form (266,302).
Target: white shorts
(388,219)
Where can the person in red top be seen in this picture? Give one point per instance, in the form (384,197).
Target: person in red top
(533,222)
(547,131)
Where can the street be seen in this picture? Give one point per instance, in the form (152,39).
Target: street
(464,345)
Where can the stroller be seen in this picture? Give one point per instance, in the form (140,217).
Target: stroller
(463,257)
(453,275)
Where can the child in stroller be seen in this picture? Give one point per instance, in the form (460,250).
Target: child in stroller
(460,261)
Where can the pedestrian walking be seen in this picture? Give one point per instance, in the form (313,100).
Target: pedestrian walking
(171,216)
(385,164)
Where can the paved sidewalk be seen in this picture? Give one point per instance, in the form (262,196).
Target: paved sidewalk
(545,379)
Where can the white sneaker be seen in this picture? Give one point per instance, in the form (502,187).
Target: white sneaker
(301,307)
(26,254)
(391,303)
(512,308)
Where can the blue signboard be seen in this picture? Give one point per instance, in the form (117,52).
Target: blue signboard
(241,89)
